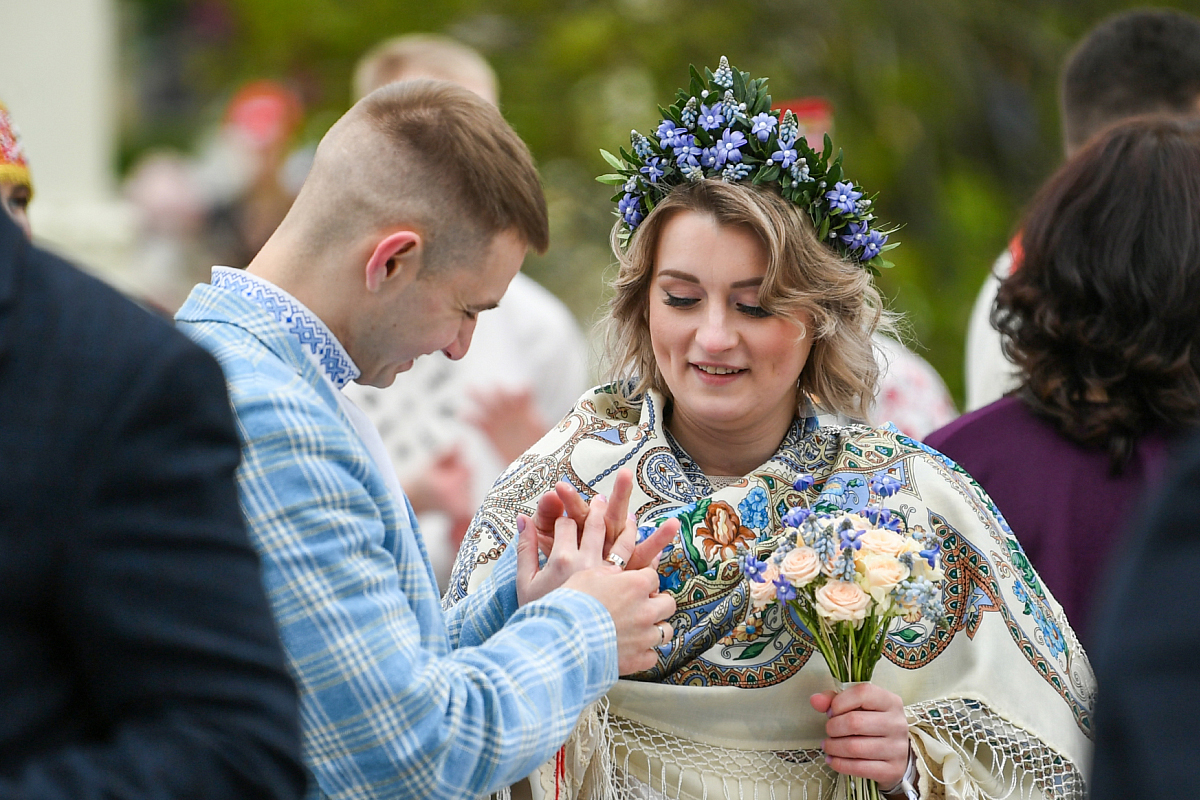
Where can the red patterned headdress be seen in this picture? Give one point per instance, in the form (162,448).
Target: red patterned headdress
(14,167)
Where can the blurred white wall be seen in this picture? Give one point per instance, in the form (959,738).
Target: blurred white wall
(58,74)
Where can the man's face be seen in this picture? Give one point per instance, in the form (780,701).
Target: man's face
(437,311)
(15,199)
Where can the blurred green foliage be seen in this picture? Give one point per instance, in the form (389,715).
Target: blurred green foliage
(947,108)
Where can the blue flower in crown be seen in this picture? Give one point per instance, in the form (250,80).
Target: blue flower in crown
(641,145)
(873,245)
(670,134)
(708,158)
(710,118)
(843,197)
(723,77)
(736,172)
(762,124)
(686,151)
(729,146)
(856,235)
(785,156)
(631,209)
(652,170)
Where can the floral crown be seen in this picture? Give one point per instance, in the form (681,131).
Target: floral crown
(723,127)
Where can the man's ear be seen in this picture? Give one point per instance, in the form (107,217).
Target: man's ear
(396,256)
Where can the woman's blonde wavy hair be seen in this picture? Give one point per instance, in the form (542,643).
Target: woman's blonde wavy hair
(803,277)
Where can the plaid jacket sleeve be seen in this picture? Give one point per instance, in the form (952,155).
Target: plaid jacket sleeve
(389,709)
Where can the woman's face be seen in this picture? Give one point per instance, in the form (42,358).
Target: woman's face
(728,363)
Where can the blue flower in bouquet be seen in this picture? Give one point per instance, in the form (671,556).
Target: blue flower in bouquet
(850,538)
(729,146)
(670,134)
(843,197)
(795,517)
(844,569)
(885,485)
(784,590)
(710,118)
(825,547)
(803,483)
(931,554)
(785,156)
(753,569)
(652,170)
(873,246)
(762,124)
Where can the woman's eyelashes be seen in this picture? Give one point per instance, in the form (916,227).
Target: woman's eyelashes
(679,302)
(675,301)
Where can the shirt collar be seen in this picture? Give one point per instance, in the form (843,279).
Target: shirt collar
(314,337)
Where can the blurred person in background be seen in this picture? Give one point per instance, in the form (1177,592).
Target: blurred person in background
(1103,323)
(451,427)
(1147,741)
(1136,62)
(16,184)
(910,393)
(138,657)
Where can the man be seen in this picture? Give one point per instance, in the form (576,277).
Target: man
(138,657)
(451,427)
(417,213)
(1136,62)
(16,185)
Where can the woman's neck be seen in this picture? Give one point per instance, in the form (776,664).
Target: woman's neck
(729,451)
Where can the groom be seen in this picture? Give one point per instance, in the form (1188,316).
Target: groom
(418,211)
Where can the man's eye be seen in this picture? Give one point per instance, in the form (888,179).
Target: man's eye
(753,311)
(680,302)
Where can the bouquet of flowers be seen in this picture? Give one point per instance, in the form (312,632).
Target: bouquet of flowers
(849,578)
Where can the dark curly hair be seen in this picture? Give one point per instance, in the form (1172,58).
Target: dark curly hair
(1103,315)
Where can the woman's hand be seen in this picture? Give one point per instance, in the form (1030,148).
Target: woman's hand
(620,527)
(867,733)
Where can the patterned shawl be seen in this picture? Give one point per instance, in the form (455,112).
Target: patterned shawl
(998,700)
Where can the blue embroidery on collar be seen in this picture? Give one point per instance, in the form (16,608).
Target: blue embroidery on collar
(289,312)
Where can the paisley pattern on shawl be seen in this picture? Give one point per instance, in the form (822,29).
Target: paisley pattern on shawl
(989,586)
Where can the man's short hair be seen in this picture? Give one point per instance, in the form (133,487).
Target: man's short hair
(422,55)
(1136,62)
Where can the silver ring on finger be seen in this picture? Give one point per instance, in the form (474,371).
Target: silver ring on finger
(615,559)
(662,634)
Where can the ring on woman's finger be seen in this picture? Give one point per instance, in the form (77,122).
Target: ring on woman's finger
(662,634)
(613,558)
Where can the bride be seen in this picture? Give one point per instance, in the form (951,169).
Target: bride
(740,337)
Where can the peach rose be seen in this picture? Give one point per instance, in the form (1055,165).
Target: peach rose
(881,574)
(761,594)
(840,601)
(884,542)
(800,566)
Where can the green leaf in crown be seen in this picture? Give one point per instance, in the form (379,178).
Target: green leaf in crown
(722,127)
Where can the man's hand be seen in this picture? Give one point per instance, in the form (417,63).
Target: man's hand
(576,561)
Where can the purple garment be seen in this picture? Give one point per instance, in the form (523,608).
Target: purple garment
(1058,496)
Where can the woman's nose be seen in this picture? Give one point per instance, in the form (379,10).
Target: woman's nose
(716,333)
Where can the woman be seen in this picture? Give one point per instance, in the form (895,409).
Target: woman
(1100,319)
(732,322)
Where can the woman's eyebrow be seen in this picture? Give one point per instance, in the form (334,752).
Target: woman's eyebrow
(684,276)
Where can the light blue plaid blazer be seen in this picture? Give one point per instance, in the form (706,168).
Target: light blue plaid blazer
(397,700)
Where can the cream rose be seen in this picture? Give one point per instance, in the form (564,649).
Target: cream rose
(840,601)
(881,574)
(800,566)
(761,594)
(884,542)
